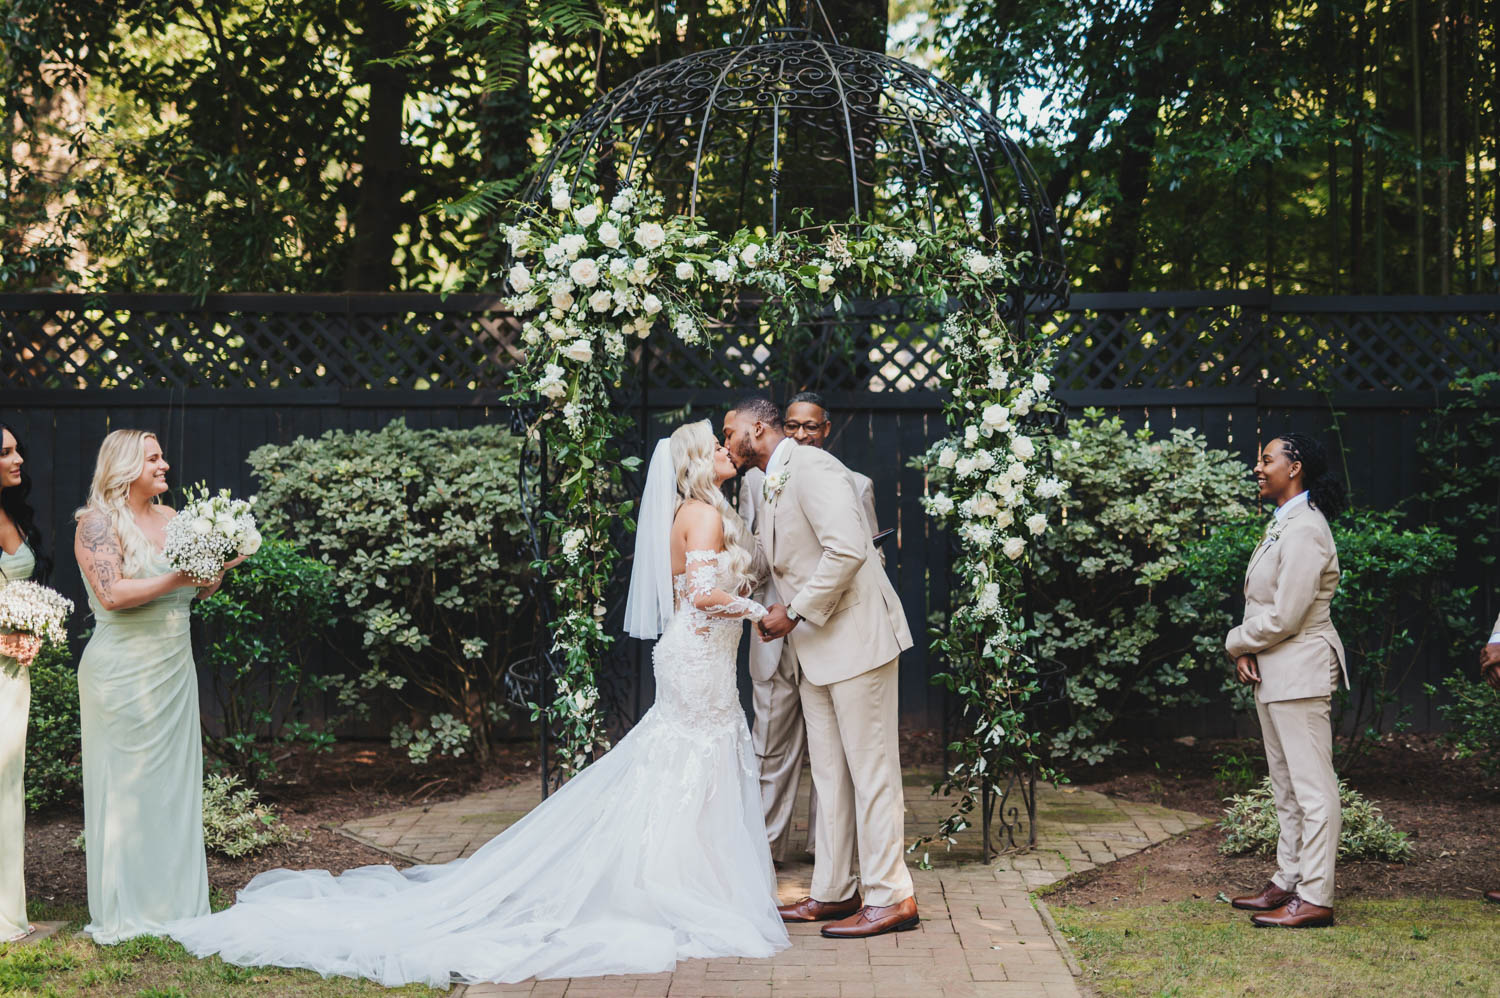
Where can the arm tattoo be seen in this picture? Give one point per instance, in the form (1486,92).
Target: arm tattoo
(96,537)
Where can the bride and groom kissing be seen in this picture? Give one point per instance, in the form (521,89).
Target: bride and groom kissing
(658,850)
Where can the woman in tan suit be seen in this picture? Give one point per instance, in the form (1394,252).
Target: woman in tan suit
(1288,649)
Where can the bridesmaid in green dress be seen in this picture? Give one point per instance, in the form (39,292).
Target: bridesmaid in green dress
(138,699)
(19,543)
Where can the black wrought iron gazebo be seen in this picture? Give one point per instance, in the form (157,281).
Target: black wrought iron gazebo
(789,124)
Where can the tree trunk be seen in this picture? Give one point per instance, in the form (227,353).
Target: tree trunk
(383,159)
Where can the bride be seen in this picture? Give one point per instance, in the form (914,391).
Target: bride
(655,853)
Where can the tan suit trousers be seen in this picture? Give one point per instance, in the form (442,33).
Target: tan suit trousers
(780,740)
(856,768)
(1299,753)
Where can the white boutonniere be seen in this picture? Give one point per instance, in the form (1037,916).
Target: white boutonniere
(774,484)
(1273,530)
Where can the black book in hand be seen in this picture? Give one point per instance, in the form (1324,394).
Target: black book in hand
(880,537)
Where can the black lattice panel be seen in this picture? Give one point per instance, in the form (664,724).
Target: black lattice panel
(256,341)
(1102,342)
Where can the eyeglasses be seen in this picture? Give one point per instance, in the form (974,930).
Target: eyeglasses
(810,427)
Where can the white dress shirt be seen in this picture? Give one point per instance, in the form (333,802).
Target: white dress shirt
(1289,505)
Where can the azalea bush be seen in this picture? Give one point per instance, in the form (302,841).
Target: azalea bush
(591,277)
(264,631)
(425,538)
(1108,580)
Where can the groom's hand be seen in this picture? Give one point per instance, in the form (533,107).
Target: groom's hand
(776,624)
(1247,669)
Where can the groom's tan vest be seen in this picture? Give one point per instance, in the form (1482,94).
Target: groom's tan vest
(824,563)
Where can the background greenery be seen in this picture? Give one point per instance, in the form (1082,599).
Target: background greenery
(224,145)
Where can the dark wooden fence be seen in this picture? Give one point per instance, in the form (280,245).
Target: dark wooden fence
(219,377)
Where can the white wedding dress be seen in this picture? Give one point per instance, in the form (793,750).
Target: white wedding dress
(655,853)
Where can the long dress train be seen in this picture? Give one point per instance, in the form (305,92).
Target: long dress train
(655,853)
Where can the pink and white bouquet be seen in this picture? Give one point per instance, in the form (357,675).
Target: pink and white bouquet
(28,607)
(209,531)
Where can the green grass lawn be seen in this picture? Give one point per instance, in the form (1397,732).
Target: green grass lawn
(1405,948)
(68,964)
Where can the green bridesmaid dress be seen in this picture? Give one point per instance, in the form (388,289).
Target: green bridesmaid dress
(15,705)
(142,768)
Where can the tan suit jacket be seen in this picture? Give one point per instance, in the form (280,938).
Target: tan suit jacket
(766,655)
(820,553)
(1496,628)
(1288,589)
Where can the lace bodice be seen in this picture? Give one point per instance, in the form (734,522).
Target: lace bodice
(694,660)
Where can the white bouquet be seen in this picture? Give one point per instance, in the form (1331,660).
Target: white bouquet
(31,608)
(210,530)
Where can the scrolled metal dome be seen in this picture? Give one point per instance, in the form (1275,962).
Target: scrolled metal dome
(754,134)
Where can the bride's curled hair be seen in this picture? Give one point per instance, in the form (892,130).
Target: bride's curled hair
(121,457)
(693,446)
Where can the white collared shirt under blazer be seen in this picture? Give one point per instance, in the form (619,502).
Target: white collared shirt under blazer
(1289,587)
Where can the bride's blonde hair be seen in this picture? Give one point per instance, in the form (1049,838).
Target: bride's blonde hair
(693,446)
(121,458)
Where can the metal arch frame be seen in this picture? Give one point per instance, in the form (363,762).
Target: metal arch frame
(934,116)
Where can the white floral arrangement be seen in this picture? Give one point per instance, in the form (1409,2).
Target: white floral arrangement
(28,607)
(209,531)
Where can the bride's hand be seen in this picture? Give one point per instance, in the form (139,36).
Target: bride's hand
(205,590)
(235,563)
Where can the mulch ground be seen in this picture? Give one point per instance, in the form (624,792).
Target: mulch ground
(1448,806)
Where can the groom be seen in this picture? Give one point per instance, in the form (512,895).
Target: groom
(846,625)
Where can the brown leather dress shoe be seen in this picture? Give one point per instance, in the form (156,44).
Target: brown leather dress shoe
(871,921)
(1493,897)
(1295,914)
(1270,898)
(809,910)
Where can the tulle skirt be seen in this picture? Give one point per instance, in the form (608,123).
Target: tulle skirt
(655,853)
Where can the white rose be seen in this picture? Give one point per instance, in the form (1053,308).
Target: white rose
(601,300)
(940,504)
(650,304)
(983,504)
(520,279)
(201,525)
(971,435)
(251,543)
(1040,383)
(226,526)
(1036,523)
(947,457)
(1016,472)
(684,271)
(720,270)
(587,215)
(1004,518)
(906,248)
(965,466)
(609,235)
(750,254)
(560,199)
(1023,448)
(984,460)
(579,350)
(650,236)
(978,263)
(825,281)
(562,299)
(995,418)
(1013,547)
(585,272)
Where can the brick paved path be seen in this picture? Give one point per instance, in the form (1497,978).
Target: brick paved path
(981,934)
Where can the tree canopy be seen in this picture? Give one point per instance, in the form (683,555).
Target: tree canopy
(223,145)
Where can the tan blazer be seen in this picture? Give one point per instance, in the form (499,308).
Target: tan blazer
(1288,588)
(1496,628)
(765,655)
(818,548)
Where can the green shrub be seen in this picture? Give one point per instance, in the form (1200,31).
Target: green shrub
(1250,826)
(425,535)
(235,823)
(262,626)
(1474,714)
(1107,576)
(54,751)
